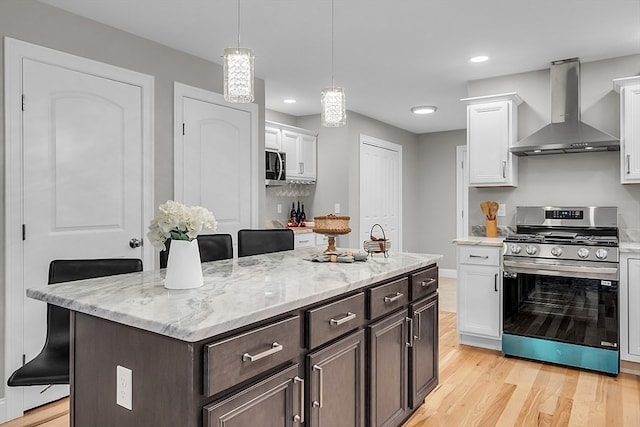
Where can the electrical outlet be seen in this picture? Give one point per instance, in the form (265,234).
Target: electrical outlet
(279,207)
(336,208)
(124,383)
(502,209)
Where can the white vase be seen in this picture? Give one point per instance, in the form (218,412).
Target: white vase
(184,270)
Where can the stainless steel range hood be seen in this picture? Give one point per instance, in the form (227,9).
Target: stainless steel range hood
(566,133)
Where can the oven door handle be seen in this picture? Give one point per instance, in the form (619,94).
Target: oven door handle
(559,268)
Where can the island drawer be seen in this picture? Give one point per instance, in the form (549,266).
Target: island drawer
(389,297)
(241,357)
(424,283)
(332,320)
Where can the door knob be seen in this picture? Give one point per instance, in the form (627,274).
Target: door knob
(135,243)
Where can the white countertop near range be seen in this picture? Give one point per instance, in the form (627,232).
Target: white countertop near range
(630,247)
(235,293)
(479,241)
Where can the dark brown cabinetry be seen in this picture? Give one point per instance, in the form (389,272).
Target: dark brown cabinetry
(335,375)
(388,371)
(276,401)
(363,358)
(423,354)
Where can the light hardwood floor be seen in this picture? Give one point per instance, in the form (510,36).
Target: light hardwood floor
(482,388)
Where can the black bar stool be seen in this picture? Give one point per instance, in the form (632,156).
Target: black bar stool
(255,242)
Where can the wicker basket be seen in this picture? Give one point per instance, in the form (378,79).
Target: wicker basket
(376,245)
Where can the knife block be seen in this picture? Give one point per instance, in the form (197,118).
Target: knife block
(491,228)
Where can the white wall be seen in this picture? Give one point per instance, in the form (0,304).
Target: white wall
(436,197)
(575,179)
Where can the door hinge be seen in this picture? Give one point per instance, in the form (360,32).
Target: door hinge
(24,232)
(24,359)
(22,102)
(183,129)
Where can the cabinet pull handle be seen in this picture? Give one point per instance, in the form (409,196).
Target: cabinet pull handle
(318,403)
(300,418)
(427,283)
(479,256)
(416,315)
(394,298)
(504,168)
(410,325)
(345,319)
(495,282)
(275,347)
(628,164)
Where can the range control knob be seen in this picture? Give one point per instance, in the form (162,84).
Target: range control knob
(531,250)
(556,251)
(515,249)
(601,253)
(583,252)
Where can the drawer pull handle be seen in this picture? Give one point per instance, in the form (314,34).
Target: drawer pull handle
(479,256)
(345,319)
(318,403)
(394,298)
(300,418)
(275,347)
(427,283)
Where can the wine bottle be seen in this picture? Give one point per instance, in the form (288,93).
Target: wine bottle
(303,216)
(292,215)
(298,213)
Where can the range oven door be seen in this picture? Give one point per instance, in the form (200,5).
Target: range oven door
(551,315)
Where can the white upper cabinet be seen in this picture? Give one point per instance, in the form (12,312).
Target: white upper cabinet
(272,138)
(629,89)
(492,123)
(300,148)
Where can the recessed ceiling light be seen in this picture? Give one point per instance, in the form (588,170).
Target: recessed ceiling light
(479,58)
(588,148)
(424,109)
(289,101)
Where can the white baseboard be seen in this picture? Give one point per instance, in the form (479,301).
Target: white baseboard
(448,272)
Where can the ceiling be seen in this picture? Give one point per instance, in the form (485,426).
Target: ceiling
(390,55)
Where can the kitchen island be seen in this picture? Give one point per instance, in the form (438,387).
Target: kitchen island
(261,338)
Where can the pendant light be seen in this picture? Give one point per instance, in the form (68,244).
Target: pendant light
(332,99)
(238,71)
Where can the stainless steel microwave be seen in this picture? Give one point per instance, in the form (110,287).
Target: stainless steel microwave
(276,168)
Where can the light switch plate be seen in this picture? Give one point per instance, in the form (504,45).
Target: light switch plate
(502,209)
(336,208)
(279,207)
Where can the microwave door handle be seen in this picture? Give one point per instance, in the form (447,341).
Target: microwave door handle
(281,166)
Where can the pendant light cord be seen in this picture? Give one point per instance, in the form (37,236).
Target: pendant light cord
(332,16)
(238,24)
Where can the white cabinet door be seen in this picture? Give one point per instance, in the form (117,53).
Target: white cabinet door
(272,138)
(491,130)
(307,156)
(290,144)
(479,300)
(629,130)
(633,305)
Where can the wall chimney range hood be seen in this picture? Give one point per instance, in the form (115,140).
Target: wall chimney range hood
(566,133)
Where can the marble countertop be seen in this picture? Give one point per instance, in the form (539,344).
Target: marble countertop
(630,247)
(235,293)
(479,241)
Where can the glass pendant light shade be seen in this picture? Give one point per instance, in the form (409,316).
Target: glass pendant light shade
(238,74)
(333,111)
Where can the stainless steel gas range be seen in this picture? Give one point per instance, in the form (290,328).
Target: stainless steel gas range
(560,287)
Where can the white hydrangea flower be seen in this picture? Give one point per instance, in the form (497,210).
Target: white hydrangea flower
(177,221)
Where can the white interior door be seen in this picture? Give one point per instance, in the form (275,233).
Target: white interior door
(381,189)
(215,157)
(79,179)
